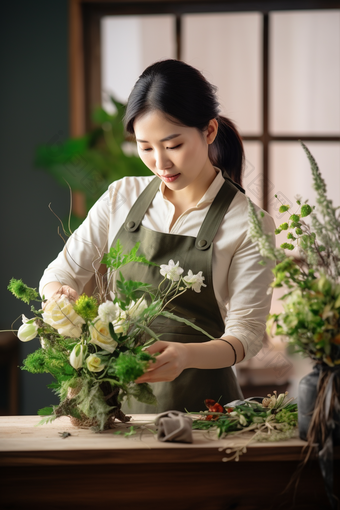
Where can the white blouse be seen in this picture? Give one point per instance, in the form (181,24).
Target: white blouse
(240,282)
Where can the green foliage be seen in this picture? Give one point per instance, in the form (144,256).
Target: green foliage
(128,367)
(116,259)
(279,421)
(287,246)
(143,393)
(49,361)
(90,163)
(45,411)
(310,318)
(91,401)
(86,307)
(283,208)
(174,317)
(129,290)
(22,291)
(305,210)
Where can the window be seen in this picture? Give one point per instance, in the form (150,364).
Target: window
(277,72)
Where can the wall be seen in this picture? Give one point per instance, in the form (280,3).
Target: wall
(34,110)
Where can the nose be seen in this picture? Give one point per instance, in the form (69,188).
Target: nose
(162,160)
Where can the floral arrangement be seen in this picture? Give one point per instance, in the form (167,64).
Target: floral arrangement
(274,419)
(310,319)
(311,275)
(94,347)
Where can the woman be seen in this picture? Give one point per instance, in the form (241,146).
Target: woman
(194,211)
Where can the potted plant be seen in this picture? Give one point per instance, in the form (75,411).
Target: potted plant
(310,319)
(88,164)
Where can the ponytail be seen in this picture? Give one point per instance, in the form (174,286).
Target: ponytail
(227,152)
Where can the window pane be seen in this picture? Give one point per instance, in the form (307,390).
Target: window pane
(128,45)
(290,175)
(227,49)
(253,174)
(305,72)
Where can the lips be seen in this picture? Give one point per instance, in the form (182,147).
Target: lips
(169,177)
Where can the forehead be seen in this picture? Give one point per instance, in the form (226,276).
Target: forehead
(156,125)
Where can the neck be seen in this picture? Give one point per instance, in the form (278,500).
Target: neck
(192,194)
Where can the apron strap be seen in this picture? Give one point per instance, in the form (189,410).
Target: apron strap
(139,208)
(211,222)
(215,215)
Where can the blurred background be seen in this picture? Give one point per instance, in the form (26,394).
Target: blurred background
(277,69)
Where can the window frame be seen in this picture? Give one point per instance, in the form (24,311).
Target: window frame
(85,58)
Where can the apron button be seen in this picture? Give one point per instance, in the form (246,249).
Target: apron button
(131,224)
(202,243)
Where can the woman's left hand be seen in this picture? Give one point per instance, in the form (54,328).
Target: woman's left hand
(171,361)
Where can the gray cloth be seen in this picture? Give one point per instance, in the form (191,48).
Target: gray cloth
(174,426)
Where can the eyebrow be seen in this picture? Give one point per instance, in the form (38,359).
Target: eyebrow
(166,139)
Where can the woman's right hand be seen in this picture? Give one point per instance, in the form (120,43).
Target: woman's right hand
(54,290)
(67,291)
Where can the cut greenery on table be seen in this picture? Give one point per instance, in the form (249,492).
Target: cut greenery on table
(274,419)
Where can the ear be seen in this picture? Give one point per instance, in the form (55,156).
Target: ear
(211,131)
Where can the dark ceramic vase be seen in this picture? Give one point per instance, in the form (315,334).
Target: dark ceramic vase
(308,390)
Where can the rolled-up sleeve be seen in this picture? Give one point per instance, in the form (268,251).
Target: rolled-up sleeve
(83,252)
(248,282)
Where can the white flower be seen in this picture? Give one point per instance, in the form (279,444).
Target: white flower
(171,271)
(27,331)
(100,335)
(77,356)
(243,421)
(194,281)
(94,363)
(137,308)
(108,311)
(118,325)
(59,314)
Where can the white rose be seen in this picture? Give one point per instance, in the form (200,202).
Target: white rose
(194,281)
(28,330)
(94,363)
(100,335)
(77,356)
(59,314)
(108,311)
(171,271)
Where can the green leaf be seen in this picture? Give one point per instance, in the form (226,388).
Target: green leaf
(113,333)
(170,315)
(143,393)
(116,259)
(45,411)
(149,331)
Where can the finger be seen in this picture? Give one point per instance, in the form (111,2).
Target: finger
(158,346)
(161,359)
(163,373)
(67,291)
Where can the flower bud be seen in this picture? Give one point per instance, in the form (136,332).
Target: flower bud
(28,330)
(94,363)
(77,356)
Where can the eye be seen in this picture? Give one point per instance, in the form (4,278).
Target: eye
(145,150)
(176,147)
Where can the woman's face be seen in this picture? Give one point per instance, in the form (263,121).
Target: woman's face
(175,153)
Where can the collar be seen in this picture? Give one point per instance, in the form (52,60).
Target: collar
(211,192)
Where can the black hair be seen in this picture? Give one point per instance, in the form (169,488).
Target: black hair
(181,92)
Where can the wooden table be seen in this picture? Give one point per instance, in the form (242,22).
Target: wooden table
(39,469)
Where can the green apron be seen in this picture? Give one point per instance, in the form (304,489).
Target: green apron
(189,390)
